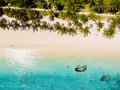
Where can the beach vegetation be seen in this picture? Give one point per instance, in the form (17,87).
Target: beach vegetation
(109,33)
(99,25)
(32,14)
(83,18)
(40,4)
(57,26)
(2,2)
(64,30)
(29,14)
(112,6)
(85,31)
(15,24)
(72,31)
(44,25)
(3,24)
(100,6)
(1,12)
(92,16)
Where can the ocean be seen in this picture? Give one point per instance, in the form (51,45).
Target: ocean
(24,69)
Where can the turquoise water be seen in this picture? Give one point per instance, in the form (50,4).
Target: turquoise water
(26,70)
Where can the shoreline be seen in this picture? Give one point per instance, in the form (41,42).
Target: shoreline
(70,49)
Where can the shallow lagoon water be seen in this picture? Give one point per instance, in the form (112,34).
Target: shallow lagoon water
(25,70)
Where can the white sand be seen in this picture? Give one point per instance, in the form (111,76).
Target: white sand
(51,43)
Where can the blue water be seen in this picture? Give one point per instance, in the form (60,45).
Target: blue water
(25,70)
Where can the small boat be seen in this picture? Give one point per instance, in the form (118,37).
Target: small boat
(80,68)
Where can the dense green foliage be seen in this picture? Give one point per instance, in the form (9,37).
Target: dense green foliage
(23,16)
(65,9)
(18,3)
(99,6)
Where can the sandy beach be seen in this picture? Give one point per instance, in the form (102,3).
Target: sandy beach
(51,43)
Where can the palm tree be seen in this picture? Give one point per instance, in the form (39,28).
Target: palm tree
(52,4)
(22,25)
(85,31)
(44,26)
(118,22)
(109,33)
(32,14)
(79,5)
(6,11)
(41,4)
(3,24)
(76,24)
(21,15)
(51,15)
(64,30)
(112,6)
(57,26)
(118,19)
(25,25)
(18,3)
(74,5)
(99,25)
(92,16)
(115,21)
(51,28)
(99,6)
(61,29)
(84,18)
(35,25)
(15,25)
(92,2)
(60,5)
(71,31)
(69,15)
(11,12)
